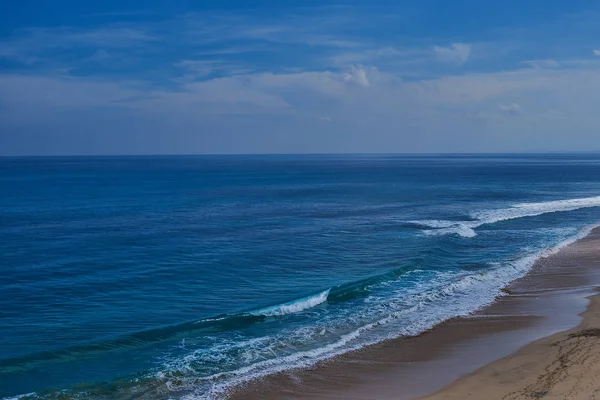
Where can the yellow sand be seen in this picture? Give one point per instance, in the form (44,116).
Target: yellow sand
(563,366)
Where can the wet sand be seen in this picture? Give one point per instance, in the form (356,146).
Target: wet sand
(562,366)
(545,302)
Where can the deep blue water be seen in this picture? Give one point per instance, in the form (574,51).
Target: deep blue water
(178,277)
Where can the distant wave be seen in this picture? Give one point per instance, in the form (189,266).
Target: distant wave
(521,210)
(532,209)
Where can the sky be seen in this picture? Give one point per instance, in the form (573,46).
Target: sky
(262,76)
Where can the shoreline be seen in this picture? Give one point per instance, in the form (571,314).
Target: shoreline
(565,365)
(546,301)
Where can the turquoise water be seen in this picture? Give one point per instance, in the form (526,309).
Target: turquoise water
(181,277)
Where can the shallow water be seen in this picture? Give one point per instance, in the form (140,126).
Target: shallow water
(178,277)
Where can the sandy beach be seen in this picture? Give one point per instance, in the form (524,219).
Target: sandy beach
(530,343)
(562,366)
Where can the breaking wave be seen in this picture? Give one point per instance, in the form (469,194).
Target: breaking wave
(467,228)
(293,306)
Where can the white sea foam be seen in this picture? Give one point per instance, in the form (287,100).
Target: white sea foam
(461,229)
(533,209)
(293,306)
(427,305)
(521,210)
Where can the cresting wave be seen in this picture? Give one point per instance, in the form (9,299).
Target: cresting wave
(293,306)
(521,210)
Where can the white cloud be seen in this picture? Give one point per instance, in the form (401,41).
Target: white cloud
(288,112)
(193,70)
(549,63)
(511,109)
(457,53)
(357,75)
(597,52)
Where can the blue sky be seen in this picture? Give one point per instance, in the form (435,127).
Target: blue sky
(179,77)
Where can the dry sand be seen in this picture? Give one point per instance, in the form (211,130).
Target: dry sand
(562,366)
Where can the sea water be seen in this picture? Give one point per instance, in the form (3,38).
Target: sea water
(182,277)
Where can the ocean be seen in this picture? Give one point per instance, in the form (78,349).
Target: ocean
(184,277)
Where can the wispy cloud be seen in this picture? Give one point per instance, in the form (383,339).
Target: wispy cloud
(457,53)
(303,39)
(363,102)
(34,45)
(511,109)
(33,39)
(198,69)
(357,75)
(372,55)
(549,63)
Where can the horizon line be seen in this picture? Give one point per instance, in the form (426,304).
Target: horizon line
(299,154)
